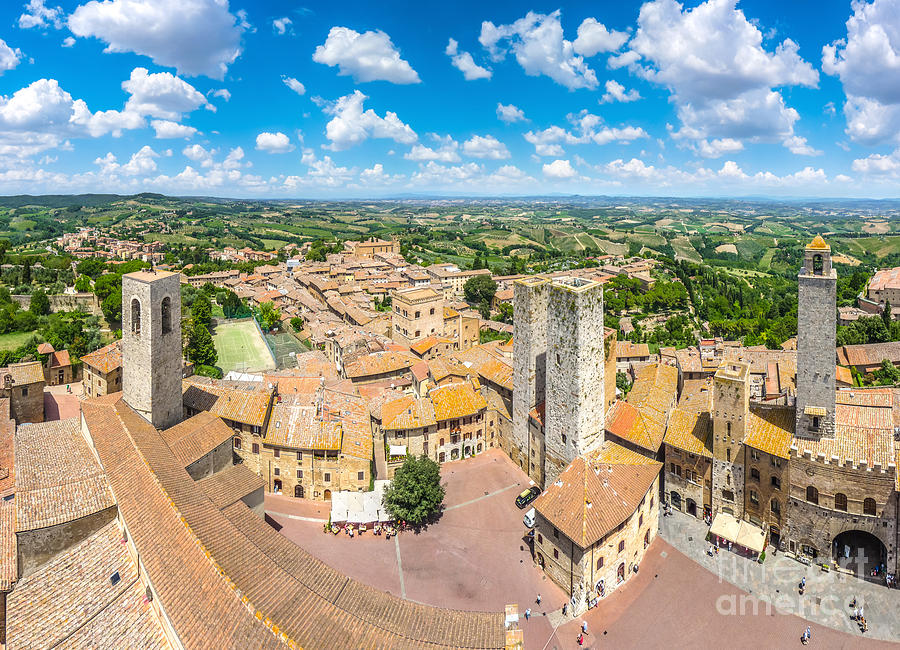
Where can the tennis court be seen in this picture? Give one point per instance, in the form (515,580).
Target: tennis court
(284,346)
(241,347)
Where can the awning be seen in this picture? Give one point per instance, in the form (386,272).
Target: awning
(815,410)
(725,526)
(752,537)
(397,450)
(742,533)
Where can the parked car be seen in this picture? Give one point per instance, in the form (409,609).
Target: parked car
(528,496)
(528,519)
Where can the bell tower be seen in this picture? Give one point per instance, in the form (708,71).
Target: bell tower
(816,341)
(151,346)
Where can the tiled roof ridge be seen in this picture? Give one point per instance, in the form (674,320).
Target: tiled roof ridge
(196,538)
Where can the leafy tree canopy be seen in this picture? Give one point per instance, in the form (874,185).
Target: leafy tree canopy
(416,494)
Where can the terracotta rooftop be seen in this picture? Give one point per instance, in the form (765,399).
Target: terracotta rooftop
(539,413)
(770,429)
(407,412)
(71,602)
(592,497)
(60,359)
(195,437)
(230,484)
(8,562)
(641,419)
(456,401)
(57,477)
(248,404)
(629,350)
(227,579)
(690,431)
(379,363)
(7,450)
(294,424)
(27,372)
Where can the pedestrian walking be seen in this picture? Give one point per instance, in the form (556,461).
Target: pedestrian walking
(538,599)
(565,607)
(527,613)
(580,639)
(584,627)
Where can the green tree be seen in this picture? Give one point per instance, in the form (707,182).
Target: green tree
(506,313)
(40,303)
(112,306)
(623,383)
(416,494)
(232,306)
(201,310)
(200,348)
(208,289)
(480,288)
(297,323)
(107,284)
(269,315)
(83,283)
(93,266)
(886,314)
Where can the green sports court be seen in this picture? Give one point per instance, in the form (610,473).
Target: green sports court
(241,347)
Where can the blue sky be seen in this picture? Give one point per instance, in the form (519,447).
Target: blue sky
(357,99)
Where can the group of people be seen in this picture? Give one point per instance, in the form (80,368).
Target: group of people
(857,615)
(350,530)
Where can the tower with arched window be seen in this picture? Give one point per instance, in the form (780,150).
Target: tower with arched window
(816,341)
(151,345)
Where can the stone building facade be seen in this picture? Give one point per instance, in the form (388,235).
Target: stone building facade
(529,363)
(23,384)
(732,408)
(102,371)
(416,313)
(151,340)
(576,403)
(816,342)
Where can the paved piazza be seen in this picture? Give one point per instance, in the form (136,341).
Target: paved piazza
(475,558)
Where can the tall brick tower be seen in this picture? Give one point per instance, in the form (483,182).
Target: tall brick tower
(529,361)
(731,404)
(816,341)
(575,397)
(151,345)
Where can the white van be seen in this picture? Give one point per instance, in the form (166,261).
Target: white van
(528,519)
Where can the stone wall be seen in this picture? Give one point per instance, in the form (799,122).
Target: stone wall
(687,489)
(731,386)
(36,547)
(151,353)
(26,403)
(816,341)
(215,461)
(818,525)
(86,302)
(769,467)
(576,404)
(529,359)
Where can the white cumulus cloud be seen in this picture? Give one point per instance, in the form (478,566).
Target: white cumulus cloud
(294,85)
(38,14)
(721,76)
(615,92)
(446,151)
(487,146)
(273,142)
(594,37)
(282,25)
(352,125)
(464,62)
(9,57)
(538,44)
(560,169)
(161,94)
(370,56)
(196,37)
(166,129)
(509,113)
(867,62)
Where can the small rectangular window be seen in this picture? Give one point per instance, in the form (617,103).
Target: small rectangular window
(277,453)
(327,477)
(277,472)
(299,473)
(255,447)
(360,475)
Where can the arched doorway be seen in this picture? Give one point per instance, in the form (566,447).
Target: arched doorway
(327,495)
(621,572)
(774,536)
(277,485)
(859,552)
(676,499)
(298,491)
(691,507)
(442,457)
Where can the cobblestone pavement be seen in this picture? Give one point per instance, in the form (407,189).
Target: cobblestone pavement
(827,596)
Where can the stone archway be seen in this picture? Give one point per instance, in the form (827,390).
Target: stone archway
(691,507)
(859,551)
(675,499)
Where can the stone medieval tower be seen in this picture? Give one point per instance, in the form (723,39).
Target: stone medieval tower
(575,360)
(816,341)
(529,361)
(731,404)
(151,346)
